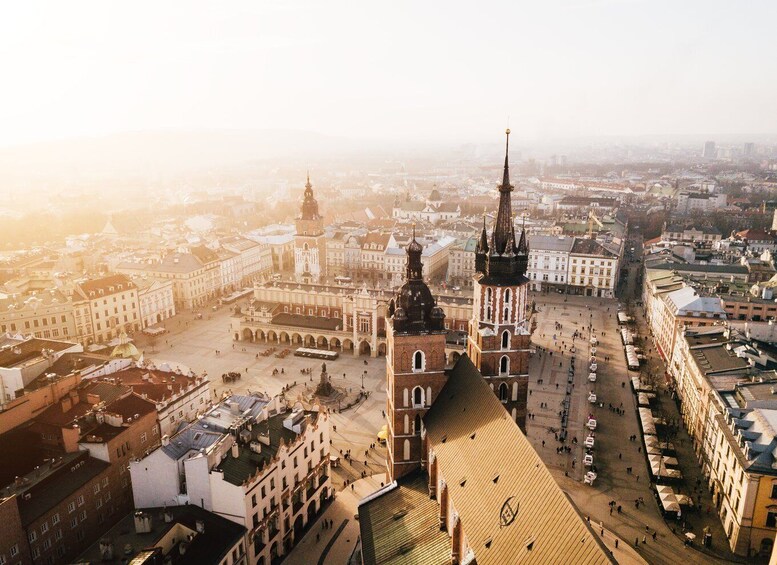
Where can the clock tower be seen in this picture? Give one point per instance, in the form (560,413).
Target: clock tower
(309,243)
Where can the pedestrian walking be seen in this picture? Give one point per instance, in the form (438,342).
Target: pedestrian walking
(616,543)
(644,539)
(654,535)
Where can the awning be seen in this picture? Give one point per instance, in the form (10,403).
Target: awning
(383,433)
(643,398)
(669,502)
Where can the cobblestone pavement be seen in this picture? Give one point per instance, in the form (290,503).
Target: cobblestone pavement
(614,451)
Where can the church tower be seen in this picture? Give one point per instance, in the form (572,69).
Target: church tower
(499,337)
(415,365)
(309,243)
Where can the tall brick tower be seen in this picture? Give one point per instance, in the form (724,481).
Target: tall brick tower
(310,242)
(415,365)
(499,337)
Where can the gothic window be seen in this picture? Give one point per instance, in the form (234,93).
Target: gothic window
(418,361)
(407,450)
(417,425)
(505,339)
(418,397)
(507,295)
(428,396)
(503,392)
(504,365)
(305,246)
(405,398)
(407,424)
(506,316)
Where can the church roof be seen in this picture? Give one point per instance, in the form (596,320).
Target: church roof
(492,471)
(399,525)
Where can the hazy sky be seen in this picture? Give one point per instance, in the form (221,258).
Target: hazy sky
(396,70)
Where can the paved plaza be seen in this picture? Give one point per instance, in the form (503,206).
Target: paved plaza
(614,452)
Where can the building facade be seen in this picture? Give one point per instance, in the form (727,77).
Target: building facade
(156,299)
(250,460)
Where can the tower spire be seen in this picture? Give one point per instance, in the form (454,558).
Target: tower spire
(504,214)
(506,175)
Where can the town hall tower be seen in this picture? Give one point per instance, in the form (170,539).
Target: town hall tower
(310,242)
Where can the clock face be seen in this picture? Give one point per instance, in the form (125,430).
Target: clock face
(509,512)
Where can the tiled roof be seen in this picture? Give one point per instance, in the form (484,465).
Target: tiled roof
(108,285)
(310,322)
(29,349)
(211,546)
(585,246)
(489,465)
(400,526)
(550,243)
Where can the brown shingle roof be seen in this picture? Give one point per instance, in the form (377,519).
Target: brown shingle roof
(487,463)
(105,284)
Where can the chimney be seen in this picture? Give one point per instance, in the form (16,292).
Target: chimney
(200,526)
(235,451)
(142,523)
(67,404)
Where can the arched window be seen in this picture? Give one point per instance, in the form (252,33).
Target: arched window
(305,246)
(505,339)
(407,450)
(507,295)
(418,397)
(503,392)
(405,398)
(418,361)
(417,425)
(428,396)
(407,424)
(504,365)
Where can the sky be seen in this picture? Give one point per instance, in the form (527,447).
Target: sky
(424,71)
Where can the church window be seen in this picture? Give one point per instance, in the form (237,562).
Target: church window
(418,397)
(505,339)
(407,450)
(305,246)
(503,392)
(417,425)
(507,295)
(504,365)
(407,424)
(428,396)
(418,361)
(405,398)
